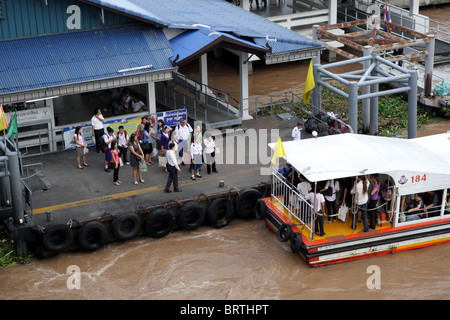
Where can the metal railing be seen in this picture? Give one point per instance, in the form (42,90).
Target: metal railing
(214,107)
(289,102)
(292,201)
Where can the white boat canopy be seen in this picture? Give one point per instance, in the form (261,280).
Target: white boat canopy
(415,165)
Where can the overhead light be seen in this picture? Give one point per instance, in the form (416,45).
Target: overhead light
(40,99)
(135,68)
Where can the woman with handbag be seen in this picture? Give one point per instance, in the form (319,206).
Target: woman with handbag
(196,158)
(136,155)
(81,147)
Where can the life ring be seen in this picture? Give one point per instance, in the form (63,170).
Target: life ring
(260,210)
(126,226)
(57,237)
(220,212)
(296,242)
(190,216)
(159,223)
(284,233)
(246,202)
(92,235)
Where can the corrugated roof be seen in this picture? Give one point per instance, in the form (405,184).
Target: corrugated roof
(217,14)
(192,43)
(74,57)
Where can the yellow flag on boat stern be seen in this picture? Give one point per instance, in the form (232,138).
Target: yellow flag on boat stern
(279,151)
(309,85)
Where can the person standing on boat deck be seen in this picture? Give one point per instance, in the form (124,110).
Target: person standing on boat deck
(319,211)
(330,201)
(296,132)
(97,127)
(183,130)
(360,188)
(374,201)
(386,193)
(173,168)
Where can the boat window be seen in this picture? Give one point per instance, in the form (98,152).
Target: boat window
(447,202)
(421,205)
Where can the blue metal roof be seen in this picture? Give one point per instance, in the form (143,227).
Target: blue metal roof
(193,43)
(75,57)
(217,14)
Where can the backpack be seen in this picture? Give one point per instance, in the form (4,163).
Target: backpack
(103,145)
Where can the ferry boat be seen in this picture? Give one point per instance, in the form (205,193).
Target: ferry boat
(409,168)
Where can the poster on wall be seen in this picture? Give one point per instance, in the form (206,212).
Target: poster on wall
(129,124)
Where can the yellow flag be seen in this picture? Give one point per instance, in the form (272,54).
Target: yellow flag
(309,85)
(3,121)
(279,151)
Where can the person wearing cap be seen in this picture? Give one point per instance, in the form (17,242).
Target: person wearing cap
(296,132)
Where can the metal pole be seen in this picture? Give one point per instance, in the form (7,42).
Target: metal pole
(429,65)
(412,105)
(16,196)
(353,105)
(374,106)
(367,51)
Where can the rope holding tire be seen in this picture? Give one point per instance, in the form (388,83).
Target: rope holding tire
(92,235)
(159,223)
(284,233)
(126,226)
(57,237)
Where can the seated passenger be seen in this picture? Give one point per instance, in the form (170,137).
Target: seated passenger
(431,202)
(414,213)
(137,105)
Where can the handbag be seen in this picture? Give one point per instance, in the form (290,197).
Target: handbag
(145,145)
(342,212)
(142,165)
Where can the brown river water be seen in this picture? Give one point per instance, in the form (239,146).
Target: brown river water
(243,261)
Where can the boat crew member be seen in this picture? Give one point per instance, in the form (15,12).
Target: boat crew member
(296,132)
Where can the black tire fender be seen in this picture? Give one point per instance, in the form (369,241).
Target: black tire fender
(126,226)
(246,202)
(190,216)
(159,223)
(284,232)
(296,242)
(57,237)
(260,210)
(93,235)
(220,212)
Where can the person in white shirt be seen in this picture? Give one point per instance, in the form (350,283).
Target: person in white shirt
(319,209)
(137,105)
(330,200)
(296,132)
(97,127)
(122,143)
(360,188)
(183,130)
(173,168)
(210,151)
(196,158)
(108,137)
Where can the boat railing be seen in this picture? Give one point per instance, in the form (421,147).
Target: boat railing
(292,201)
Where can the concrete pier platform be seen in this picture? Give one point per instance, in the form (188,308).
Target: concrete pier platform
(79,194)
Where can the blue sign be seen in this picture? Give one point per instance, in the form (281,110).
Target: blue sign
(172,118)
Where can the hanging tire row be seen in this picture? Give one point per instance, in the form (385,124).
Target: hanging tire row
(92,235)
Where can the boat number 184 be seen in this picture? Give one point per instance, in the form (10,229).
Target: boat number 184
(418,178)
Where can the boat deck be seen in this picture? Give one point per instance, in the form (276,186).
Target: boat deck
(334,231)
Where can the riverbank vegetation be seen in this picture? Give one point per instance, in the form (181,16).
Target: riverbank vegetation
(7,251)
